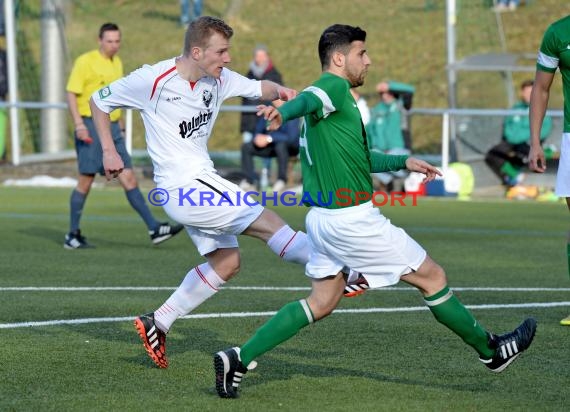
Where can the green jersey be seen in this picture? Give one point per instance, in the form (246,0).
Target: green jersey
(335,159)
(555,53)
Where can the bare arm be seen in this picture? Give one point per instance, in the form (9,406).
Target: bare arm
(273,91)
(421,166)
(112,162)
(538,104)
(80,130)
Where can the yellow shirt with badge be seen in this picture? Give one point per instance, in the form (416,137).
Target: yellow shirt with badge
(92,71)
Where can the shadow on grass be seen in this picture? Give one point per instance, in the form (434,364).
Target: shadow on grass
(52,235)
(58,237)
(178,342)
(274,368)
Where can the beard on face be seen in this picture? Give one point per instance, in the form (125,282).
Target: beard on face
(356,79)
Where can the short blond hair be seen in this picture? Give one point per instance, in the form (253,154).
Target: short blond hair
(201,30)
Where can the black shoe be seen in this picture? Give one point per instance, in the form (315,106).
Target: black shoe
(510,345)
(164,232)
(154,339)
(229,372)
(74,240)
(357,287)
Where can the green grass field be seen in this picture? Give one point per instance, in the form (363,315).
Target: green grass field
(69,344)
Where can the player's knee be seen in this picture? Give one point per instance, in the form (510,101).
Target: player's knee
(225,262)
(227,270)
(265,226)
(128,179)
(84,183)
(437,277)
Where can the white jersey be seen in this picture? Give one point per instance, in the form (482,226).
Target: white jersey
(178,115)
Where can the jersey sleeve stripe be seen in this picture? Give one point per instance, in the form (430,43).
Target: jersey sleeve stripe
(547,61)
(328,106)
(159,78)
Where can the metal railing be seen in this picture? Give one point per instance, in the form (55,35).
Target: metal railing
(447,115)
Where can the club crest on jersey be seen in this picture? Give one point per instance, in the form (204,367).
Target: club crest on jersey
(188,128)
(207,97)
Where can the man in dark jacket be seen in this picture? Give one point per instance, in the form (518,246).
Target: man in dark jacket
(281,144)
(260,68)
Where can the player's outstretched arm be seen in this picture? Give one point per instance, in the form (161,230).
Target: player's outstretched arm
(273,91)
(421,166)
(112,162)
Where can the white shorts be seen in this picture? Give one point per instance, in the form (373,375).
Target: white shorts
(563,175)
(361,238)
(213,210)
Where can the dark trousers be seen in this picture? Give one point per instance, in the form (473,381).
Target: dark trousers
(280,150)
(515,154)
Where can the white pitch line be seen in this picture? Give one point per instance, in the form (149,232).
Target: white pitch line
(257,314)
(253,288)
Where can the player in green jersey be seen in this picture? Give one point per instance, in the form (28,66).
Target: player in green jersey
(554,53)
(349,231)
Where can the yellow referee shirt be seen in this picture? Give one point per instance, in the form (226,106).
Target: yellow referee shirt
(90,72)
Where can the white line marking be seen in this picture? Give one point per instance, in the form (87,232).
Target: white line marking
(253,288)
(260,314)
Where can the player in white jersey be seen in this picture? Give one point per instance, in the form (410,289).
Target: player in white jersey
(179,100)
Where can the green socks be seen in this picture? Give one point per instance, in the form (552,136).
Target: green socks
(449,311)
(290,319)
(294,316)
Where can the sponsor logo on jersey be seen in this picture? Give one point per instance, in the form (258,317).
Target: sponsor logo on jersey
(173,99)
(104,92)
(207,97)
(187,128)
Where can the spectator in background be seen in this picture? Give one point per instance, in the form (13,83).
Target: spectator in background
(388,130)
(3,114)
(260,68)
(281,144)
(504,5)
(362,106)
(91,71)
(508,157)
(404,94)
(189,14)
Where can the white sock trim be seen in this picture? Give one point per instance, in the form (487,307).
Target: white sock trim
(208,272)
(439,301)
(307,310)
(281,239)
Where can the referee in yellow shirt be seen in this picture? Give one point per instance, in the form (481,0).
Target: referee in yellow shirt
(91,71)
